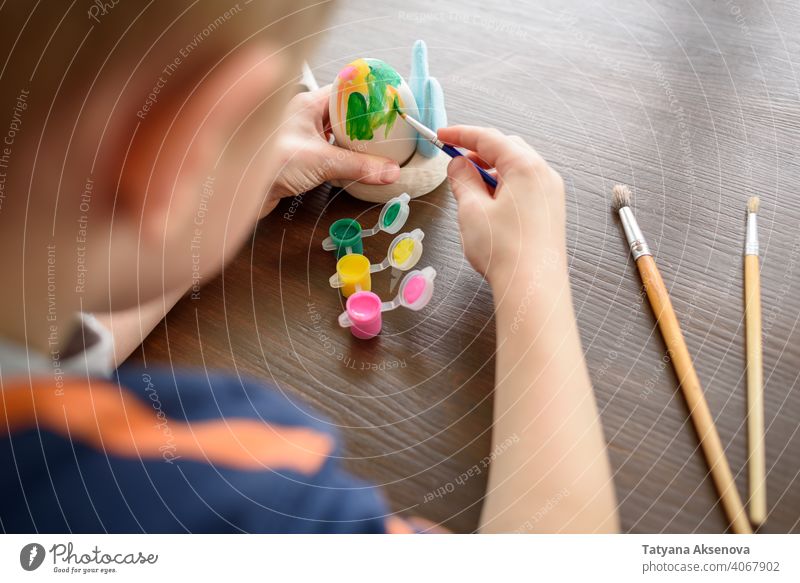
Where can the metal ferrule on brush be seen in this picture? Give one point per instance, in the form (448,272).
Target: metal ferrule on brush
(633,233)
(751,241)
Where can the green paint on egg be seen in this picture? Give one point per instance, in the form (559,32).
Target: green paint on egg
(366,113)
(358,119)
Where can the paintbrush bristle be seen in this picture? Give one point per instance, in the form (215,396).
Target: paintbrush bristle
(620,196)
(752,204)
(396,107)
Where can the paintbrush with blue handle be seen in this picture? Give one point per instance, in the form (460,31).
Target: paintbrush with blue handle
(451,151)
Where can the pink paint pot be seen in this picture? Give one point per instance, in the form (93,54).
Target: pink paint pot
(363,311)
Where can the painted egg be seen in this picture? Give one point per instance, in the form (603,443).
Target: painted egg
(363,110)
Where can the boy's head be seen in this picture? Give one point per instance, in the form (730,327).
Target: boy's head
(135,152)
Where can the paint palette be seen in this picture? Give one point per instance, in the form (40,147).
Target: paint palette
(364,310)
(345,235)
(354,271)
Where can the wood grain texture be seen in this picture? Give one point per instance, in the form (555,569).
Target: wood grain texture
(695,105)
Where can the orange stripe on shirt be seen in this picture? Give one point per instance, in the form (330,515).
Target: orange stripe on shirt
(414,524)
(111,419)
(396,525)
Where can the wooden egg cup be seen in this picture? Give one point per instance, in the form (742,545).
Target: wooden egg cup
(418,176)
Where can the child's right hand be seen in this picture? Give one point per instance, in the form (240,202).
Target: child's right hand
(516,238)
(503,235)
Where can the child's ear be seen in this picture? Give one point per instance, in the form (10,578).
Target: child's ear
(180,138)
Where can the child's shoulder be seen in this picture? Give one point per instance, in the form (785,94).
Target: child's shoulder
(199,394)
(162,450)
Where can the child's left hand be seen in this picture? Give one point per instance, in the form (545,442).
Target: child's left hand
(306,159)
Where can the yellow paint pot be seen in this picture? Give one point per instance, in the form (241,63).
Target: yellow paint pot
(352,274)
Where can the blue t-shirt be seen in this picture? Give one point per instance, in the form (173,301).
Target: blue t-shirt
(160,451)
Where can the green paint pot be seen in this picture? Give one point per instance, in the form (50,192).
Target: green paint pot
(346,235)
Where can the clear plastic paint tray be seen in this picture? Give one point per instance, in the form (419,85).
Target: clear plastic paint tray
(416,289)
(364,309)
(404,252)
(345,235)
(353,270)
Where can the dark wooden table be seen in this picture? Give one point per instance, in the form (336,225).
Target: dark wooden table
(695,104)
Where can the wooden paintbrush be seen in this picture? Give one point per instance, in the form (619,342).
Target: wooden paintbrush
(756,463)
(682,363)
(451,151)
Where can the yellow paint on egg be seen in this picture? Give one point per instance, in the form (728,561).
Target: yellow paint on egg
(402,251)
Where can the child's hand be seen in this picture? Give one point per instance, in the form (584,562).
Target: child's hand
(306,159)
(516,238)
(523,222)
